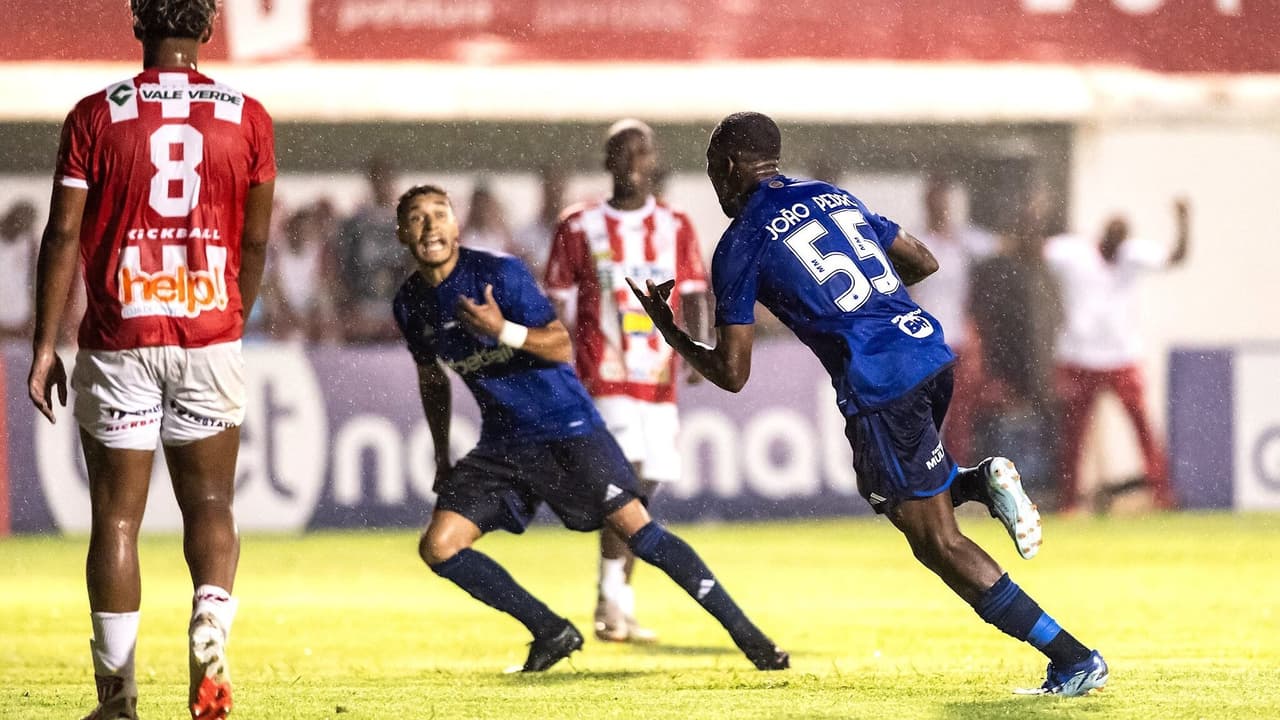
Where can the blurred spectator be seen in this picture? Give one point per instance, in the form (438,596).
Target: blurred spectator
(532,243)
(371,263)
(485,227)
(1013,301)
(1098,347)
(299,282)
(945,294)
(18,247)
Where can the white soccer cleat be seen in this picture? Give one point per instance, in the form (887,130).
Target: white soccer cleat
(612,624)
(210,695)
(1010,504)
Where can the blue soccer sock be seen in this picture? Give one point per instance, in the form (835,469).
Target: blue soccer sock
(1011,610)
(489,583)
(970,484)
(653,544)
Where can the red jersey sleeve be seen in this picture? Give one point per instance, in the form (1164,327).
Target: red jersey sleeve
(262,141)
(691,274)
(75,150)
(567,260)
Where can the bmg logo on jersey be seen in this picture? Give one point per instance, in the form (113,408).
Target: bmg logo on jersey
(914,324)
(176,290)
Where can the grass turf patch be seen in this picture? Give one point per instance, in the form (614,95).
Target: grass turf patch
(352,625)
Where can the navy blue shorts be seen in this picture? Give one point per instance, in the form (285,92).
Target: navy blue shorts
(897,451)
(583,479)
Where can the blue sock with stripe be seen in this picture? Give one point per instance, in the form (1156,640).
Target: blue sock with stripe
(1014,613)
(667,552)
(486,581)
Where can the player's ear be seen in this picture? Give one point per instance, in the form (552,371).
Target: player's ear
(208,34)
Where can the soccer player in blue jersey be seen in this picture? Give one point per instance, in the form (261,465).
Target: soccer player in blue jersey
(541,440)
(836,274)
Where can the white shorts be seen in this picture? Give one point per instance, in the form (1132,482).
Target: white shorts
(646,432)
(129,399)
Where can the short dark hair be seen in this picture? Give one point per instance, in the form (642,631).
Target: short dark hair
(749,135)
(402,205)
(172,18)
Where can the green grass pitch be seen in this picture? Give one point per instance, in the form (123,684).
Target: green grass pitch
(1186,609)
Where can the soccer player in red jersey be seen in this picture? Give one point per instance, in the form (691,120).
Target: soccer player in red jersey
(620,355)
(164,187)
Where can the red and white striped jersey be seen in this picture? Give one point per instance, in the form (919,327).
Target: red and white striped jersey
(618,350)
(168,158)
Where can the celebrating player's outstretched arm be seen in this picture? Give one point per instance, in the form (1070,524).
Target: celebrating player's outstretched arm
(728,364)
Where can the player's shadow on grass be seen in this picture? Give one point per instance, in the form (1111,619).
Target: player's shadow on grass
(580,674)
(690,650)
(1020,707)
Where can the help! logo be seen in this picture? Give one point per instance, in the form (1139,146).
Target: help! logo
(176,290)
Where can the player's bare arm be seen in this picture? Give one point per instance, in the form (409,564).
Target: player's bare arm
(911,259)
(437,405)
(253,244)
(728,364)
(549,342)
(695,310)
(55,271)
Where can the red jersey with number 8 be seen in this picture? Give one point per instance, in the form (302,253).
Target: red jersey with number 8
(168,158)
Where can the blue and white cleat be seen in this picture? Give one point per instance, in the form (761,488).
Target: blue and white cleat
(1074,681)
(1010,504)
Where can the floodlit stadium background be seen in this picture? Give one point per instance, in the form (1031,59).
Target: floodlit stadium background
(1118,105)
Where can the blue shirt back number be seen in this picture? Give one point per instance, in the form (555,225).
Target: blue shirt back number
(802,243)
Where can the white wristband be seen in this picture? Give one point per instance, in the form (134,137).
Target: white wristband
(513,335)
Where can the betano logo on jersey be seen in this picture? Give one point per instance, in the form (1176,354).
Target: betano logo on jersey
(176,290)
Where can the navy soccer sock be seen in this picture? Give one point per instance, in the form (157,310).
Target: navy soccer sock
(1011,610)
(489,583)
(971,484)
(653,544)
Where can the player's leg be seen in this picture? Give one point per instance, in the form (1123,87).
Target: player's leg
(480,497)
(903,469)
(936,541)
(661,464)
(615,616)
(615,600)
(118,409)
(665,550)
(1129,386)
(203,473)
(994,482)
(1076,389)
(204,408)
(594,486)
(118,484)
